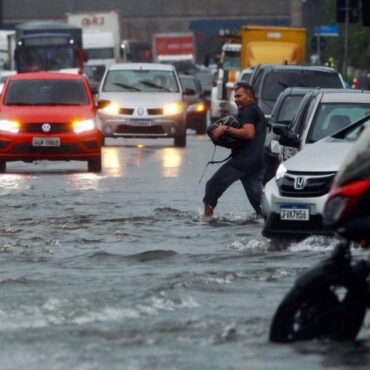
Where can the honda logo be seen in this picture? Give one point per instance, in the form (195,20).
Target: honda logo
(299,182)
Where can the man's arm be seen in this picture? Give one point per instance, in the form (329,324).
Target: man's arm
(246,132)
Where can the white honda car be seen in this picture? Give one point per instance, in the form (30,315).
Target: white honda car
(293,201)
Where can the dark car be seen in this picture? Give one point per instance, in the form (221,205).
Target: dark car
(196,111)
(269,80)
(94,74)
(282,114)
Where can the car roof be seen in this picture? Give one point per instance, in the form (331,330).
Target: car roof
(341,94)
(144,66)
(46,76)
(297,90)
(283,67)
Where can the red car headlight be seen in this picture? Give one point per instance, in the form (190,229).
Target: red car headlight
(83,126)
(9,126)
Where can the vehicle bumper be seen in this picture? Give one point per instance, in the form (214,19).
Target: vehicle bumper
(145,127)
(195,120)
(19,147)
(275,227)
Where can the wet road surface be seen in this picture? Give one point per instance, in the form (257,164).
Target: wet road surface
(118,270)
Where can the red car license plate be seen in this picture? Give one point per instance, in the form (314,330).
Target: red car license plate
(46,141)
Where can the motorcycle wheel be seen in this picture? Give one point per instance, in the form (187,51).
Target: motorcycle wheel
(308,313)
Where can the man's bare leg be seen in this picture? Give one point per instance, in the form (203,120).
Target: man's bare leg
(208,210)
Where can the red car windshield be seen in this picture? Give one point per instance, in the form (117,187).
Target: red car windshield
(46,92)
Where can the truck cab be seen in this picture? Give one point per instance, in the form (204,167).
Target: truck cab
(226,75)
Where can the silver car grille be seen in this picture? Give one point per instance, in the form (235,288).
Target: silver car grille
(304,184)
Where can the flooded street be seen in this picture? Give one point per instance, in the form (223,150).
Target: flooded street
(118,270)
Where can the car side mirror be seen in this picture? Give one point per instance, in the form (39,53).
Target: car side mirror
(102,104)
(290,139)
(280,130)
(188,91)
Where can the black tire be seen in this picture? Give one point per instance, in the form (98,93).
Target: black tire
(2,166)
(180,141)
(202,130)
(94,165)
(271,165)
(310,313)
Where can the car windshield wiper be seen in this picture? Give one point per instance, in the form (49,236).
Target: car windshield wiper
(19,103)
(56,104)
(128,87)
(152,84)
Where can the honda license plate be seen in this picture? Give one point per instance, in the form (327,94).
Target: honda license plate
(294,212)
(46,141)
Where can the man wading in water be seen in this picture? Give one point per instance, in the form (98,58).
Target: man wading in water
(246,162)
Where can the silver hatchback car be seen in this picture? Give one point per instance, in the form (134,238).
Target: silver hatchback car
(293,201)
(142,100)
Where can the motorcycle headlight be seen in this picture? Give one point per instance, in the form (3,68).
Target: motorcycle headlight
(9,126)
(83,126)
(111,108)
(173,108)
(280,173)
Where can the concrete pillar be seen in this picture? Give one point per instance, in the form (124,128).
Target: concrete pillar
(296,12)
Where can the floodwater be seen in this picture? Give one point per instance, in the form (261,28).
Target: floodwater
(118,270)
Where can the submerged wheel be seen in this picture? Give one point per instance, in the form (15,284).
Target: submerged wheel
(94,165)
(2,166)
(180,141)
(310,313)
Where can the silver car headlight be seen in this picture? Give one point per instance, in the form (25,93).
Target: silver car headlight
(83,126)
(280,173)
(111,108)
(9,126)
(173,109)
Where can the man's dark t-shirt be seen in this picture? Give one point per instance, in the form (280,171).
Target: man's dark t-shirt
(249,156)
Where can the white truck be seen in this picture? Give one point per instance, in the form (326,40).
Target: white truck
(101,35)
(227,73)
(7,47)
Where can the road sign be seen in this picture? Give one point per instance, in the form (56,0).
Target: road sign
(329,30)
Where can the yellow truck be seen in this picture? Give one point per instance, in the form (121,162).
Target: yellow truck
(271,45)
(252,45)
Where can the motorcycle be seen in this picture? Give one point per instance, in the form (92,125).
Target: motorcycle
(329,301)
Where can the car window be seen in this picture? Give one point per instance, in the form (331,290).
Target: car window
(276,81)
(189,83)
(331,117)
(46,92)
(288,108)
(301,114)
(140,81)
(245,77)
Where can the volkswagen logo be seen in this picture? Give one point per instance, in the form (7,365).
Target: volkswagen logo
(299,182)
(140,111)
(46,127)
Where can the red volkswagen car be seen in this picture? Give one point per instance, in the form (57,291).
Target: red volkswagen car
(50,116)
